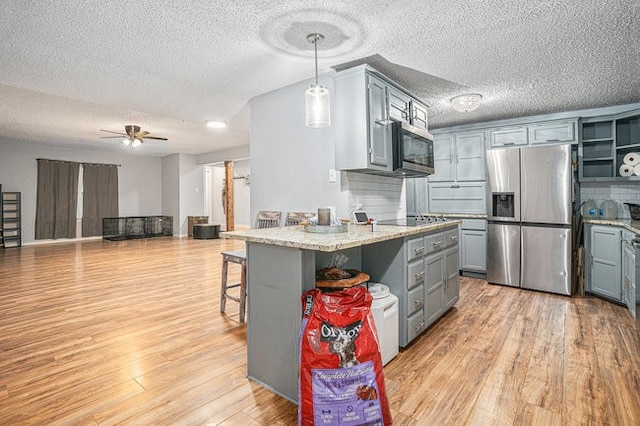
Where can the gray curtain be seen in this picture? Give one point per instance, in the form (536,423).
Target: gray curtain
(100,196)
(57,199)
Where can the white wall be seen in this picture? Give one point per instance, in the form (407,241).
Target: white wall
(171,189)
(620,192)
(290,162)
(241,194)
(192,184)
(140,190)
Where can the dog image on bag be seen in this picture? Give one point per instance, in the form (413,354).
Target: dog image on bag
(345,348)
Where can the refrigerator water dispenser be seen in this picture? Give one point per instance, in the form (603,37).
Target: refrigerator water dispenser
(503,204)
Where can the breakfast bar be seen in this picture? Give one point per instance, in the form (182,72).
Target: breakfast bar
(282,264)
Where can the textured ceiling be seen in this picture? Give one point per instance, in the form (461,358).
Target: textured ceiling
(69,68)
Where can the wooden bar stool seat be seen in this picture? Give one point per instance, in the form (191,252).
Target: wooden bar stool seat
(239,257)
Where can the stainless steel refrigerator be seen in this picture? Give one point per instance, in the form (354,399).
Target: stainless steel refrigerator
(529,197)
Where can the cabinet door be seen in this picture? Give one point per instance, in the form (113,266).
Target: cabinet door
(399,104)
(605,262)
(553,132)
(434,287)
(379,130)
(443,159)
(508,136)
(628,277)
(452,281)
(469,156)
(419,115)
(473,250)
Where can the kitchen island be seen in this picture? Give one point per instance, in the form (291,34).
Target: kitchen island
(281,266)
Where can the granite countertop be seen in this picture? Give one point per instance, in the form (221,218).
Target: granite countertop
(462,215)
(357,235)
(631,225)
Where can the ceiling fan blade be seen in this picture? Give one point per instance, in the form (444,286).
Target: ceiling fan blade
(156,138)
(115,133)
(113,137)
(141,134)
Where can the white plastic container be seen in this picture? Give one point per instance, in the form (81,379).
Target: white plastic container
(384,309)
(590,210)
(608,210)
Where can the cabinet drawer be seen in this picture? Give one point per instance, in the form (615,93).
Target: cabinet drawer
(434,242)
(415,248)
(415,273)
(415,325)
(451,237)
(474,224)
(415,300)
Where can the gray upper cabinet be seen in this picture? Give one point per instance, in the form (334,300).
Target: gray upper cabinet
(366,104)
(380,131)
(553,132)
(363,138)
(419,115)
(399,104)
(603,143)
(459,157)
(508,136)
(559,131)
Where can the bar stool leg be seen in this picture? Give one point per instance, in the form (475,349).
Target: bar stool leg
(223,286)
(243,290)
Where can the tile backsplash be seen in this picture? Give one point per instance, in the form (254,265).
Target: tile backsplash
(381,197)
(620,192)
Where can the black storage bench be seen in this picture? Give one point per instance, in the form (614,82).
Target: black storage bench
(206,230)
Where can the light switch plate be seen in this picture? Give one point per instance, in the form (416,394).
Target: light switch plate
(332,175)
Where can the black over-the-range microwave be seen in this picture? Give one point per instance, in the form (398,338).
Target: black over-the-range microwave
(412,150)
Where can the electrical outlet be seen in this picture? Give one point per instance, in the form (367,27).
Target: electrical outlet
(332,175)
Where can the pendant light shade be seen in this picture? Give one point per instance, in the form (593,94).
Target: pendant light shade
(316,98)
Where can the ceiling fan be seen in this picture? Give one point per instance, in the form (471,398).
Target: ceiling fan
(133,136)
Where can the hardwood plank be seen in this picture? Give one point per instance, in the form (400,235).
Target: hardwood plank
(99,332)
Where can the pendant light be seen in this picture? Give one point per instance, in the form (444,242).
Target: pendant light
(316,97)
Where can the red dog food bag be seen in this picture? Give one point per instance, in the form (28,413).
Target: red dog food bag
(341,380)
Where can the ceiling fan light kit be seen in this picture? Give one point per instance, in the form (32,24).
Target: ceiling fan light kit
(467,102)
(316,97)
(133,136)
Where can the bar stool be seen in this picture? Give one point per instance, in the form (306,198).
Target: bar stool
(239,257)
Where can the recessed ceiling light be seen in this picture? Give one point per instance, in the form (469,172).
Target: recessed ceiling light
(216,124)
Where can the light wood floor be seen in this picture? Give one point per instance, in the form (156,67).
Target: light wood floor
(129,332)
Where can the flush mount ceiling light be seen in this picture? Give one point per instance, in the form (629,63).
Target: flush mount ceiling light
(216,124)
(467,102)
(316,97)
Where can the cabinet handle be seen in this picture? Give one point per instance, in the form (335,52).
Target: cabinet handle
(419,303)
(437,243)
(383,122)
(419,275)
(454,238)
(419,327)
(455,186)
(419,250)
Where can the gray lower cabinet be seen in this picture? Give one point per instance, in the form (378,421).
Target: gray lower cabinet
(629,272)
(422,271)
(604,257)
(473,246)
